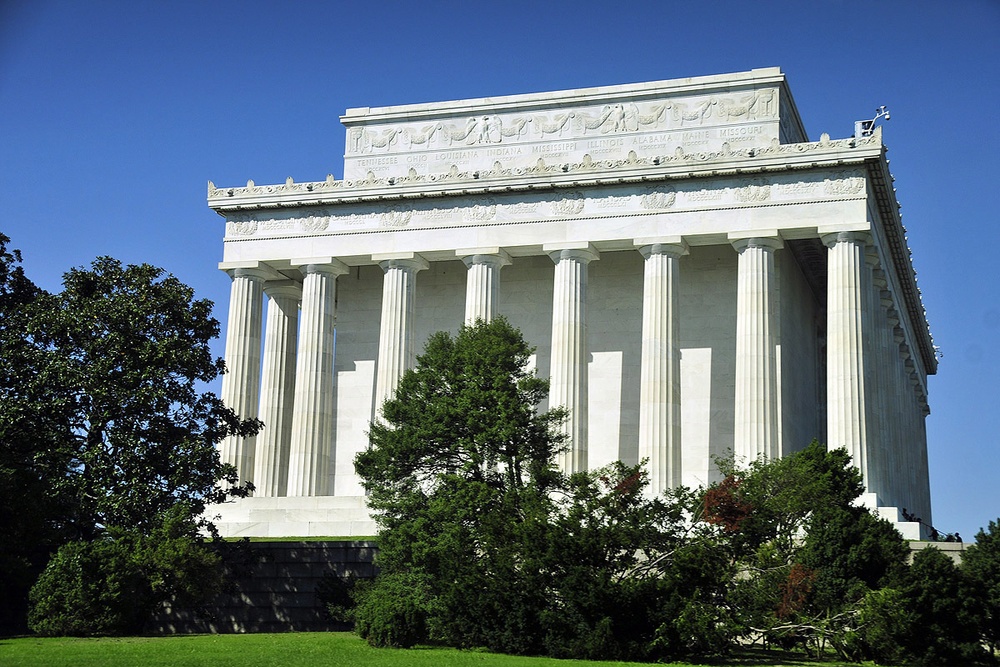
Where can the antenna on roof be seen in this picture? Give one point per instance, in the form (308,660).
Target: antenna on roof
(864,128)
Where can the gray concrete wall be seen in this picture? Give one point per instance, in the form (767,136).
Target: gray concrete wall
(277,590)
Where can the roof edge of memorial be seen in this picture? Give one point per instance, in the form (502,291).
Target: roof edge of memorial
(570,97)
(544,175)
(889,209)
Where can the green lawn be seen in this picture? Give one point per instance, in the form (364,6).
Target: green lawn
(308,649)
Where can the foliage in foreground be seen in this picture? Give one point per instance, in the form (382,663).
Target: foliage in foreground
(107,449)
(485,543)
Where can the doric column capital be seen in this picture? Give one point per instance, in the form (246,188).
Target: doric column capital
(256,275)
(277,289)
(885,298)
(327,265)
(674,247)
(251,269)
(831,239)
(407,261)
(764,242)
(494,257)
(585,252)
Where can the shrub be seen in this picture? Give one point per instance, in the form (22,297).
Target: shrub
(393,613)
(945,629)
(90,588)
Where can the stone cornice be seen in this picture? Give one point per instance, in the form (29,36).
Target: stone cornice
(884,195)
(652,89)
(545,176)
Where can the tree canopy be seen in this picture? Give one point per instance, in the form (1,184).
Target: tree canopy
(106,431)
(484,542)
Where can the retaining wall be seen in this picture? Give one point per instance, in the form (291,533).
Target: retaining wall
(276,591)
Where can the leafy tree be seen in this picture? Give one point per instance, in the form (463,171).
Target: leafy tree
(632,577)
(807,553)
(459,476)
(944,630)
(981,566)
(105,438)
(30,460)
(483,542)
(127,347)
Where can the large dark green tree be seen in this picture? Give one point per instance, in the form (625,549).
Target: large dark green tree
(459,476)
(945,613)
(981,567)
(106,432)
(483,542)
(127,347)
(31,467)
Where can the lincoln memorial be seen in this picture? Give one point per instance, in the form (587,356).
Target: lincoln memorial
(699,279)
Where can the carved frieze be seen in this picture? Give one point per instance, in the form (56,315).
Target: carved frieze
(472,142)
(491,129)
(395,216)
(844,183)
(314,225)
(754,190)
(622,200)
(571,203)
(481,212)
(659,198)
(248,228)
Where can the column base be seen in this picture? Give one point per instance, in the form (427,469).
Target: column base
(304,516)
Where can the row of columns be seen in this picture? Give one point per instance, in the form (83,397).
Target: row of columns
(296,398)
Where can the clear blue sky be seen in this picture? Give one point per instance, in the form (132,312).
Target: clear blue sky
(113,115)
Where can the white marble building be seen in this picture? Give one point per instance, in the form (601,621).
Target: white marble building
(698,277)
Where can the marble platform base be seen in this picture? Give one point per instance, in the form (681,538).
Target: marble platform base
(910,530)
(347,516)
(315,516)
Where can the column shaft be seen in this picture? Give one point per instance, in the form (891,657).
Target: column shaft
(241,383)
(568,369)
(397,350)
(756,339)
(277,395)
(846,330)
(482,285)
(312,441)
(659,374)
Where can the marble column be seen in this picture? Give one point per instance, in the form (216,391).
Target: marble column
(890,357)
(756,422)
(241,383)
(482,282)
(882,300)
(312,441)
(870,302)
(899,388)
(397,349)
(660,371)
(568,366)
(846,331)
(277,392)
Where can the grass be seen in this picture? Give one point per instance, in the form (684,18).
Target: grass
(307,649)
